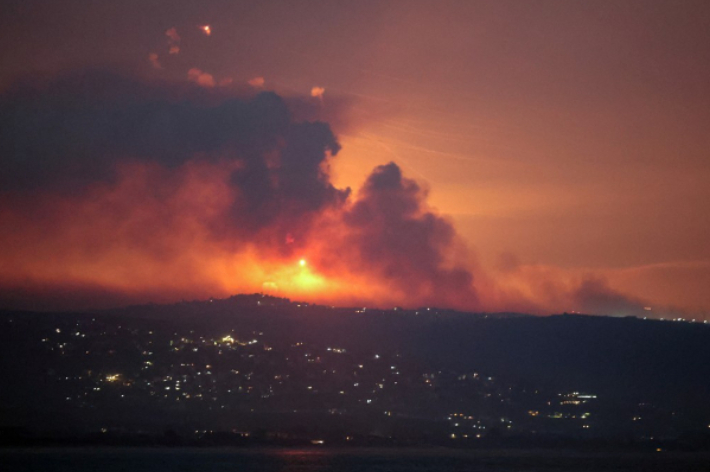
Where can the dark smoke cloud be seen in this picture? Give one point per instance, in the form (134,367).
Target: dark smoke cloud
(81,136)
(594,296)
(72,131)
(186,177)
(394,233)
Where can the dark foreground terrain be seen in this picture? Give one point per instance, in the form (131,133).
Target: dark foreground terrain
(256,370)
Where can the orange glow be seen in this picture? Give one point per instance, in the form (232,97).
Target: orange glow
(123,239)
(555,165)
(200,77)
(129,238)
(256,82)
(154,60)
(317,92)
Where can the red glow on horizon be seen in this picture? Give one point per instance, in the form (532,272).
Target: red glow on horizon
(122,238)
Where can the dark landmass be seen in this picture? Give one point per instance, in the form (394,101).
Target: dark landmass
(258,370)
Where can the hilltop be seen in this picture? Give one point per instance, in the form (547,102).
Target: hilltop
(296,370)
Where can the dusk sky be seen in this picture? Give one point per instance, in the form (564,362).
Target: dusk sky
(536,156)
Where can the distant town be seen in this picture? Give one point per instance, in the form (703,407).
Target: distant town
(233,372)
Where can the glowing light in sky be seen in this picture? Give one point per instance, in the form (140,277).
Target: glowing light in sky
(256,82)
(317,92)
(302,263)
(173,35)
(153,58)
(206,29)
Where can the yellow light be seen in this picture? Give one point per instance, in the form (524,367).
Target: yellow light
(302,263)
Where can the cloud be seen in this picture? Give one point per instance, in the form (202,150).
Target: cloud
(173,35)
(154,61)
(256,82)
(79,129)
(173,41)
(593,295)
(201,78)
(391,230)
(154,190)
(137,181)
(541,288)
(666,283)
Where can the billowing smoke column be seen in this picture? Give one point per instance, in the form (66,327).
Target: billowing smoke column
(394,234)
(145,190)
(116,190)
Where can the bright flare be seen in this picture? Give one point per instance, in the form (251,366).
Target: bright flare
(302,263)
(317,92)
(206,29)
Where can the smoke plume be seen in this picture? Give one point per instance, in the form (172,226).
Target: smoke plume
(116,189)
(127,186)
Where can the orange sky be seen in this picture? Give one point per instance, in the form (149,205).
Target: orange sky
(565,140)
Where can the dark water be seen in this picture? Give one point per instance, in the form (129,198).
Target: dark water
(218,460)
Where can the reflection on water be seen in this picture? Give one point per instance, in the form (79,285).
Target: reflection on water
(315,460)
(305,459)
